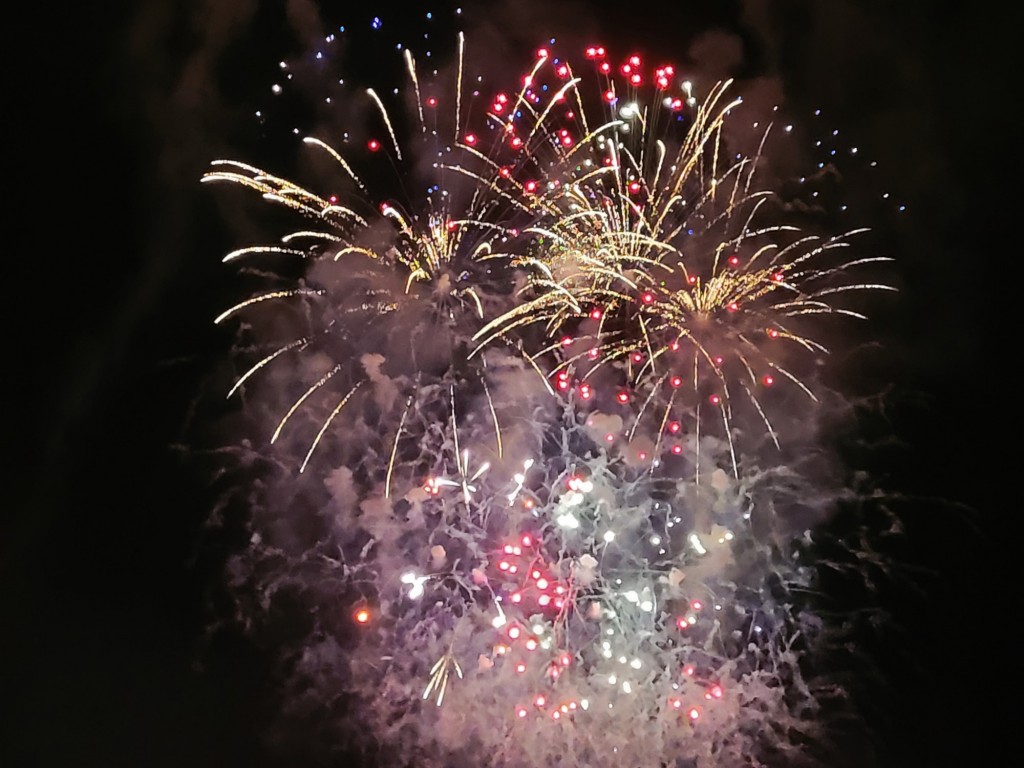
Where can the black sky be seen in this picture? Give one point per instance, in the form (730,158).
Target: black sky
(113,276)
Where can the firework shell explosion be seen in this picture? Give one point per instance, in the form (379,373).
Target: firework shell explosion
(527,537)
(395,287)
(657,256)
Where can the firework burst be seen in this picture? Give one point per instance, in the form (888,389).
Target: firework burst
(506,579)
(655,257)
(393,283)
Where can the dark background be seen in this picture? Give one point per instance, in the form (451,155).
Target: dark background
(112,112)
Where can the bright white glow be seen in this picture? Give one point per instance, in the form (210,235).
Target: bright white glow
(696,544)
(538,629)
(416,584)
(655,540)
(568,521)
(585,703)
(609,536)
(498,621)
(612,679)
(647,605)
(520,478)
(631,595)
(626,687)
(635,664)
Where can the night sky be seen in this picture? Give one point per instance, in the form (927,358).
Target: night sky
(114,276)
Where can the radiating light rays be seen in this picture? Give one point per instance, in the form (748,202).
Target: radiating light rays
(394,446)
(653,253)
(439,675)
(280,351)
(305,396)
(326,424)
(662,294)
(266,297)
(376,255)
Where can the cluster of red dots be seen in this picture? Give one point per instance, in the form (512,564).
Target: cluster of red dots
(528,579)
(563,382)
(554,711)
(649,298)
(688,619)
(500,103)
(516,633)
(712,692)
(632,69)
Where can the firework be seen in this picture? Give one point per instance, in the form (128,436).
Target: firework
(403,277)
(654,254)
(575,611)
(530,594)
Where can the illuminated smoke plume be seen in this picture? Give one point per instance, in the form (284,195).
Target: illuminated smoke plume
(527,383)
